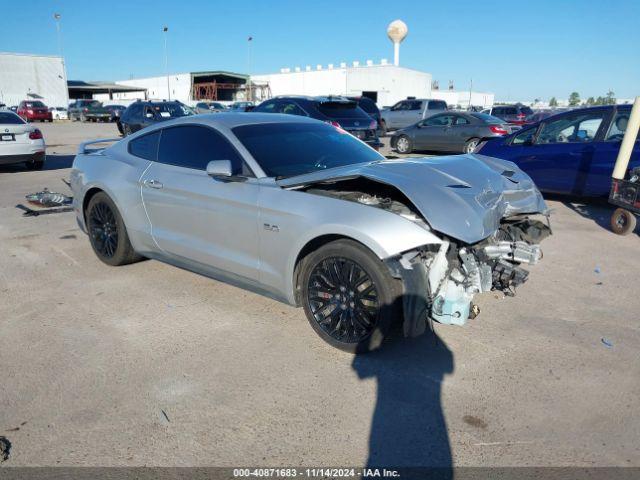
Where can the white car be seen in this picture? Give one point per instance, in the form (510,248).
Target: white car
(20,142)
(59,113)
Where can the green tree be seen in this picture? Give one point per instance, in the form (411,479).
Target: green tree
(599,101)
(591,101)
(553,102)
(574,99)
(610,98)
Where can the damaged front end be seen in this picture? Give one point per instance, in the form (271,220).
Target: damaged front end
(441,280)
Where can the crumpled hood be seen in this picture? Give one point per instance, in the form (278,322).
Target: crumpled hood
(461,196)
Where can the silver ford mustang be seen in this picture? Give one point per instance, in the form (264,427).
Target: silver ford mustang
(303,212)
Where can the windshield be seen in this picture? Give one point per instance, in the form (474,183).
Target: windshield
(172,110)
(487,118)
(342,110)
(35,104)
(290,149)
(7,118)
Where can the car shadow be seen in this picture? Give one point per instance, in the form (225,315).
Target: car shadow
(599,210)
(52,162)
(408,428)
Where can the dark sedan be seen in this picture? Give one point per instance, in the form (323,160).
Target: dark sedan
(449,132)
(337,111)
(141,114)
(570,153)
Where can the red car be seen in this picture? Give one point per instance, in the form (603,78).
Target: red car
(31,110)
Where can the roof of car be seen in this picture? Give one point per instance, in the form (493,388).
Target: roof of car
(233,119)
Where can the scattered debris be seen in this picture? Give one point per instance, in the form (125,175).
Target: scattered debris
(5,449)
(606,342)
(597,269)
(165,415)
(46,198)
(68,237)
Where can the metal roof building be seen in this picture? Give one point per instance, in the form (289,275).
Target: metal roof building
(188,87)
(30,77)
(384,83)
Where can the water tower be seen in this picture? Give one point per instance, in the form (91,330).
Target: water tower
(397,31)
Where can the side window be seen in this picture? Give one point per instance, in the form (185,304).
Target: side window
(267,107)
(439,121)
(525,137)
(415,105)
(497,111)
(201,105)
(461,121)
(291,109)
(146,146)
(193,146)
(618,127)
(437,105)
(574,128)
(398,106)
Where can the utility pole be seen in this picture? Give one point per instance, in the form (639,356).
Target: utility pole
(165,29)
(249,40)
(57,17)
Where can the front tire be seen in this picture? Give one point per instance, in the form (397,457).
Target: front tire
(623,222)
(349,297)
(107,233)
(404,145)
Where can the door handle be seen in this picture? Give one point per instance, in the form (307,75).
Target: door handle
(153,184)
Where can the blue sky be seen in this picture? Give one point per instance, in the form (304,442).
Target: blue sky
(518,50)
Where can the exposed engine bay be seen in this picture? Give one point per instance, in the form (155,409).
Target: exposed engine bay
(440,280)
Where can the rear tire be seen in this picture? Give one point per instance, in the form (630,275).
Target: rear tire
(471,145)
(623,222)
(383,128)
(349,297)
(404,145)
(35,165)
(107,232)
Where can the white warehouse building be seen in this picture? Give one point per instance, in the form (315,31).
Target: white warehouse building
(33,77)
(384,83)
(462,99)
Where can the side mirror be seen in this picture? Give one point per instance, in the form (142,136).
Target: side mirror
(219,169)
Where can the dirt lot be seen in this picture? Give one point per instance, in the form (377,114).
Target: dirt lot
(151,365)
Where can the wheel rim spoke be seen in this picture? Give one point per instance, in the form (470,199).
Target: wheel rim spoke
(103,230)
(343,299)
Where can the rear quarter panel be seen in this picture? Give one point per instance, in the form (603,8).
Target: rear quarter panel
(116,173)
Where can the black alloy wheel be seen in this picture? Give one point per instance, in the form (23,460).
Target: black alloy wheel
(103,230)
(343,300)
(349,296)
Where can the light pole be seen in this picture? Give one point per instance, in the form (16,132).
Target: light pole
(165,29)
(57,17)
(249,40)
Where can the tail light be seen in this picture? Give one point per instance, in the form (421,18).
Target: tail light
(334,123)
(85,110)
(35,135)
(497,129)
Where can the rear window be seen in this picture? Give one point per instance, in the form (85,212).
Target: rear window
(487,118)
(437,105)
(171,110)
(526,110)
(7,118)
(341,110)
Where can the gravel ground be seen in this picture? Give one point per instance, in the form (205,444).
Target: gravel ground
(151,365)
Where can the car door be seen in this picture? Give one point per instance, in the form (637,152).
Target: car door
(606,150)
(194,217)
(396,115)
(432,132)
(561,154)
(458,133)
(414,113)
